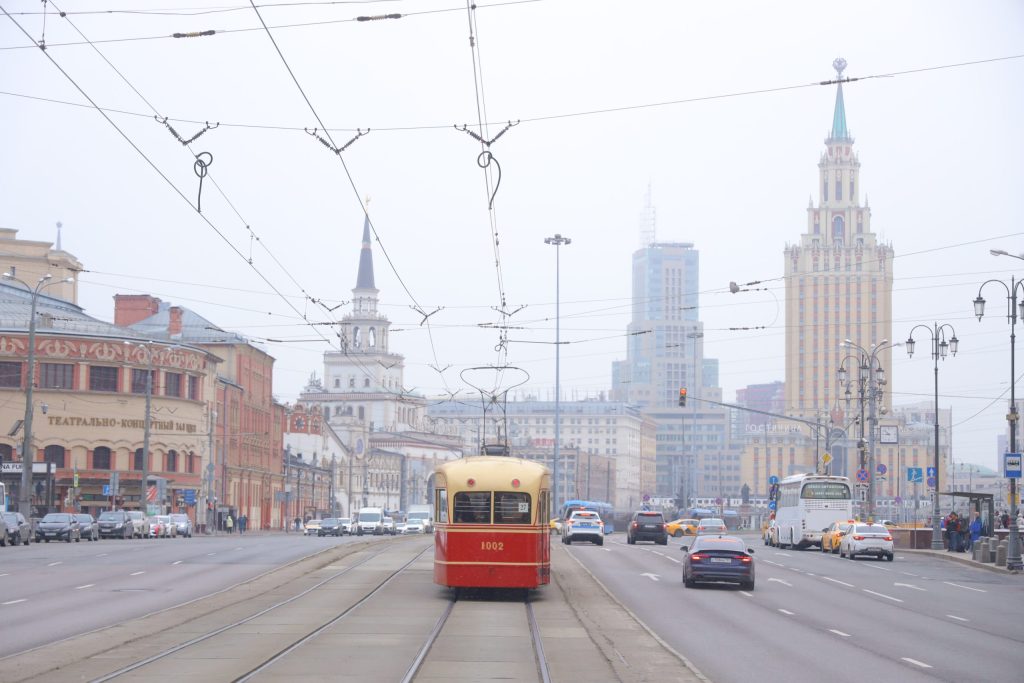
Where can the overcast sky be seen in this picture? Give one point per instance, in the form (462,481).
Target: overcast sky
(612,96)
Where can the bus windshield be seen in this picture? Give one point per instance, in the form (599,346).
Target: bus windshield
(828,490)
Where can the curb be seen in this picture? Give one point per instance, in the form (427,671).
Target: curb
(959,558)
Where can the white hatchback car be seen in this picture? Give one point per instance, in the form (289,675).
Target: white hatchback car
(583,525)
(866,539)
(711,525)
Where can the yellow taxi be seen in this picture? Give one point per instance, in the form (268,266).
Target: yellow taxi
(833,534)
(555,525)
(682,527)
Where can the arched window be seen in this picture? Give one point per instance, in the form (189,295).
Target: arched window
(366,382)
(172,461)
(824,188)
(101,458)
(362,413)
(337,383)
(54,454)
(838,229)
(839,187)
(372,338)
(6,453)
(137,460)
(357,337)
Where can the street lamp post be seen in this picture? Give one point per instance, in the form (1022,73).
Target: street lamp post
(27,457)
(870,380)
(558,241)
(1013,550)
(940,347)
(691,465)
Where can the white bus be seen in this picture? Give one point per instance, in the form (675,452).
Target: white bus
(806,505)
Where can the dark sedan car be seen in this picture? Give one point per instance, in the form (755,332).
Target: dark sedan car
(718,558)
(88,528)
(58,526)
(647,526)
(18,528)
(330,527)
(116,524)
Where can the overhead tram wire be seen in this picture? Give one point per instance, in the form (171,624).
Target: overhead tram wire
(252,235)
(201,11)
(153,165)
(352,184)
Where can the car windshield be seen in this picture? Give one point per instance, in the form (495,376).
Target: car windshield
(10,517)
(344,520)
(650,517)
(179,518)
(84,518)
(711,521)
(330,521)
(723,543)
(871,529)
(369,516)
(57,517)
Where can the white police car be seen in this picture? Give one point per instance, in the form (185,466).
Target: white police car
(583,525)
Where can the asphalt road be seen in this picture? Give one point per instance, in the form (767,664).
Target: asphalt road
(51,591)
(814,616)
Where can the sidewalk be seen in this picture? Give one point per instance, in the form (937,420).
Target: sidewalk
(961,558)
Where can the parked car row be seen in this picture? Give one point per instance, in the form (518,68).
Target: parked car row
(371,521)
(68,527)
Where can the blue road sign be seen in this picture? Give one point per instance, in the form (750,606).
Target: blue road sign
(773,479)
(932,472)
(881,468)
(931,482)
(106,489)
(1011,465)
(915,475)
(772,505)
(190,496)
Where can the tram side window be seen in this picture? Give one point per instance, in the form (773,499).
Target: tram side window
(543,506)
(441,505)
(511,507)
(472,507)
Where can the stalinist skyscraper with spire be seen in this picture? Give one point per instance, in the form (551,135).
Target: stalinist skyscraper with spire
(838,287)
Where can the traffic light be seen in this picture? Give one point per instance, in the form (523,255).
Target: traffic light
(682,397)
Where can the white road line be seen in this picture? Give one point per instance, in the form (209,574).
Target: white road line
(909,574)
(775,563)
(784,583)
(829,578)
(976,590)
(102,554)
(810,574)
(875,566)
(783,554)
(176,562)
(136,573)
(210,554)
(953,616)
(882,595)
(675,560)
(786,611)
(238,548)
(4,574)
(839,633)
(749,595)
(88,585)
(608,550)
(910,585)
(917,663)
(655,552)
(53,564)
(14,602)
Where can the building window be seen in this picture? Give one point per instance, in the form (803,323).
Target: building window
(54,454)
(10,375)
(6,453)
(56,375)
(102,378)
(193,387)
(139,380)
(137,460)
(190,460)
(337,383)
(839,188)
(101,458)
(838,229)
(172,461)
(366,382)
(172,384)
(824,188)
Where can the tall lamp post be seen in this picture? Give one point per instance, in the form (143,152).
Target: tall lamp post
(558,241)
(27,457)
(940,347)
(146,426)
(870,380)
(691,465)
(1013,551)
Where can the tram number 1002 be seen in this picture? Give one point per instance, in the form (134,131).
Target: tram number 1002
(492,545)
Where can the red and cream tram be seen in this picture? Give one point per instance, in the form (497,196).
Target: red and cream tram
(491,529)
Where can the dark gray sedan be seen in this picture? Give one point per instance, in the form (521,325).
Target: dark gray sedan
(88,528)
(19,531)
(58,526)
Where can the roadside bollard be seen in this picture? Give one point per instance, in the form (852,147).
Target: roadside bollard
(1001,554)
(976,555)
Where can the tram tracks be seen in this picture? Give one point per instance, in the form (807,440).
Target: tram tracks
(502,610)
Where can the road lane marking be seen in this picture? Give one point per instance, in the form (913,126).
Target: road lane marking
(675,560)
(953,616)
(810,574)
(882,595)
(839,633)
(910,585)
(787,612)
(53,564)
(917,663)
(655,552)
(14,602)
(783,554)
(88,585)
(976,590)
(102,554)
(136,573)
(238,548)
(775,563)
(210,554)
(176,562)
(909,574)
(876,567)
(749,595)
(608,550)
(652,577)
(784,583)
(829,578)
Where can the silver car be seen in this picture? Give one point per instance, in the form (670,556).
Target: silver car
(140,524)
(182,524)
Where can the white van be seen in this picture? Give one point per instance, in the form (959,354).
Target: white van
(370,521)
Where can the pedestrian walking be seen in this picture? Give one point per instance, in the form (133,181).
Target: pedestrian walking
(975,529)
(243,523)
(953,527)
(229,523)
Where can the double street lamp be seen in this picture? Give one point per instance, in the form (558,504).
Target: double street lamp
(558,241)
(1013,551)
(27,457)
(870,380)
(940,347)
(144,483)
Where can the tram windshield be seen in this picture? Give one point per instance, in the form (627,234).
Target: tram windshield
(472,507)
(510,507)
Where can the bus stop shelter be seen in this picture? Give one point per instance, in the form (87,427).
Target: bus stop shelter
(982,503)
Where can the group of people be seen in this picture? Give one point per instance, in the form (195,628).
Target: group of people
(1004,519)
(243,523)
(961,534)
